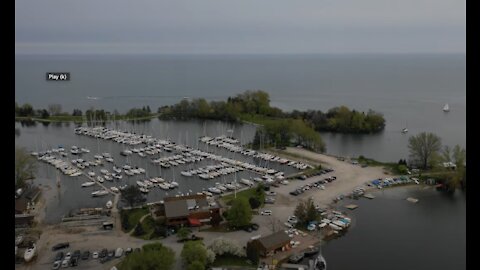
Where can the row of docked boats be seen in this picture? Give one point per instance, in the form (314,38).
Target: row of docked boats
(212,171)
(65,167)
(232,146)
(179,159)
(146,185)
(335,221)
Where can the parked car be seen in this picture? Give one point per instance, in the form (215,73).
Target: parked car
(270,200)
(68,256)
(311,227)
(288,225)
(74,261)
(103,253)
(59,256)
(271,193)
(65,263)
(111,253)
(86,255)
(254,226)
(128,251)
(119,252)
(266,213)
(76,254)
(57,265)
(60,246)
(95,255)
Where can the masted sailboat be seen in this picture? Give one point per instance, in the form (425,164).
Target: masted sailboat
(446,108)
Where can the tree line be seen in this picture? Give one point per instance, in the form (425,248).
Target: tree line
(27,110)
(257,103)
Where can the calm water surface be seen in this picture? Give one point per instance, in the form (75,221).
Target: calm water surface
(410,90)
(392,233)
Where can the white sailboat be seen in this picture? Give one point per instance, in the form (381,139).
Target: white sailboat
(446,108)
(405,130)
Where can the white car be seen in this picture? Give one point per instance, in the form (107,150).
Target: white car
(292,219)
(65,263)
(288,225)
(95,255)
(266,213)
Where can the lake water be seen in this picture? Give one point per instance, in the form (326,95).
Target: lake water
(410,90)
(392,233)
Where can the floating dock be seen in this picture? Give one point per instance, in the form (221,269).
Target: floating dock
(413,200)
(369,196)
(351,206)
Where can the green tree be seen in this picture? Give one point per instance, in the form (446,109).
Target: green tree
(132,195)
(194,251)
(254,202)
(240,214)
(183,233)
(423,146)
(44,114)
(153,256)
(25,166)
(139,230)
(301,211)
(402,169)
(196,265)
(26,110)
(311,214)
(459,156)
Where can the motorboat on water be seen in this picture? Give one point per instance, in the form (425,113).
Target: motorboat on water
(91,174)
(295,258)
(405,130)
(173,184)
(320,263)
(100,179)
(114,189)
(88,184)
(30,253)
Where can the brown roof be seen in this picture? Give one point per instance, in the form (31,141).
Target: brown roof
(175,209)
(21,204)
(275,240)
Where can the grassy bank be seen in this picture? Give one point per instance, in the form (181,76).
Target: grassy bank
(247,194)
(70,118)
(133,216)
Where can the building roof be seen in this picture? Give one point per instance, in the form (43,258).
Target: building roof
(21,204)
(175,209)
(274,240)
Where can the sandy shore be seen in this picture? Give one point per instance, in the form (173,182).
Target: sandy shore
(349,177)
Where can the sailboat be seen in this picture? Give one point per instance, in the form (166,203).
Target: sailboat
(405,129)
(446,108)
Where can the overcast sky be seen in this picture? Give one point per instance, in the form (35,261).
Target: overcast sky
(240,27)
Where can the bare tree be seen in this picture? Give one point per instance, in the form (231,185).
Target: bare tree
(423,147)
(55,109)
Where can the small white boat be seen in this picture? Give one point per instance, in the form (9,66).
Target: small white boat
(104,171)
(30,253)
(109,159)
(141,184)
(143,190)
(405,130)
(99,193)
(108,178)
(185,173)
(76,174)
(115,189)
(109,204)
(91,174)
(88,184)
(85,150)
(446,108)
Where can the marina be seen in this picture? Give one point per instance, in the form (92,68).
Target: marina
(169,168)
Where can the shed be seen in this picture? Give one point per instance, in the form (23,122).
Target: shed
(271,243)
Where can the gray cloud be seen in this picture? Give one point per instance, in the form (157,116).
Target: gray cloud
(247,26)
